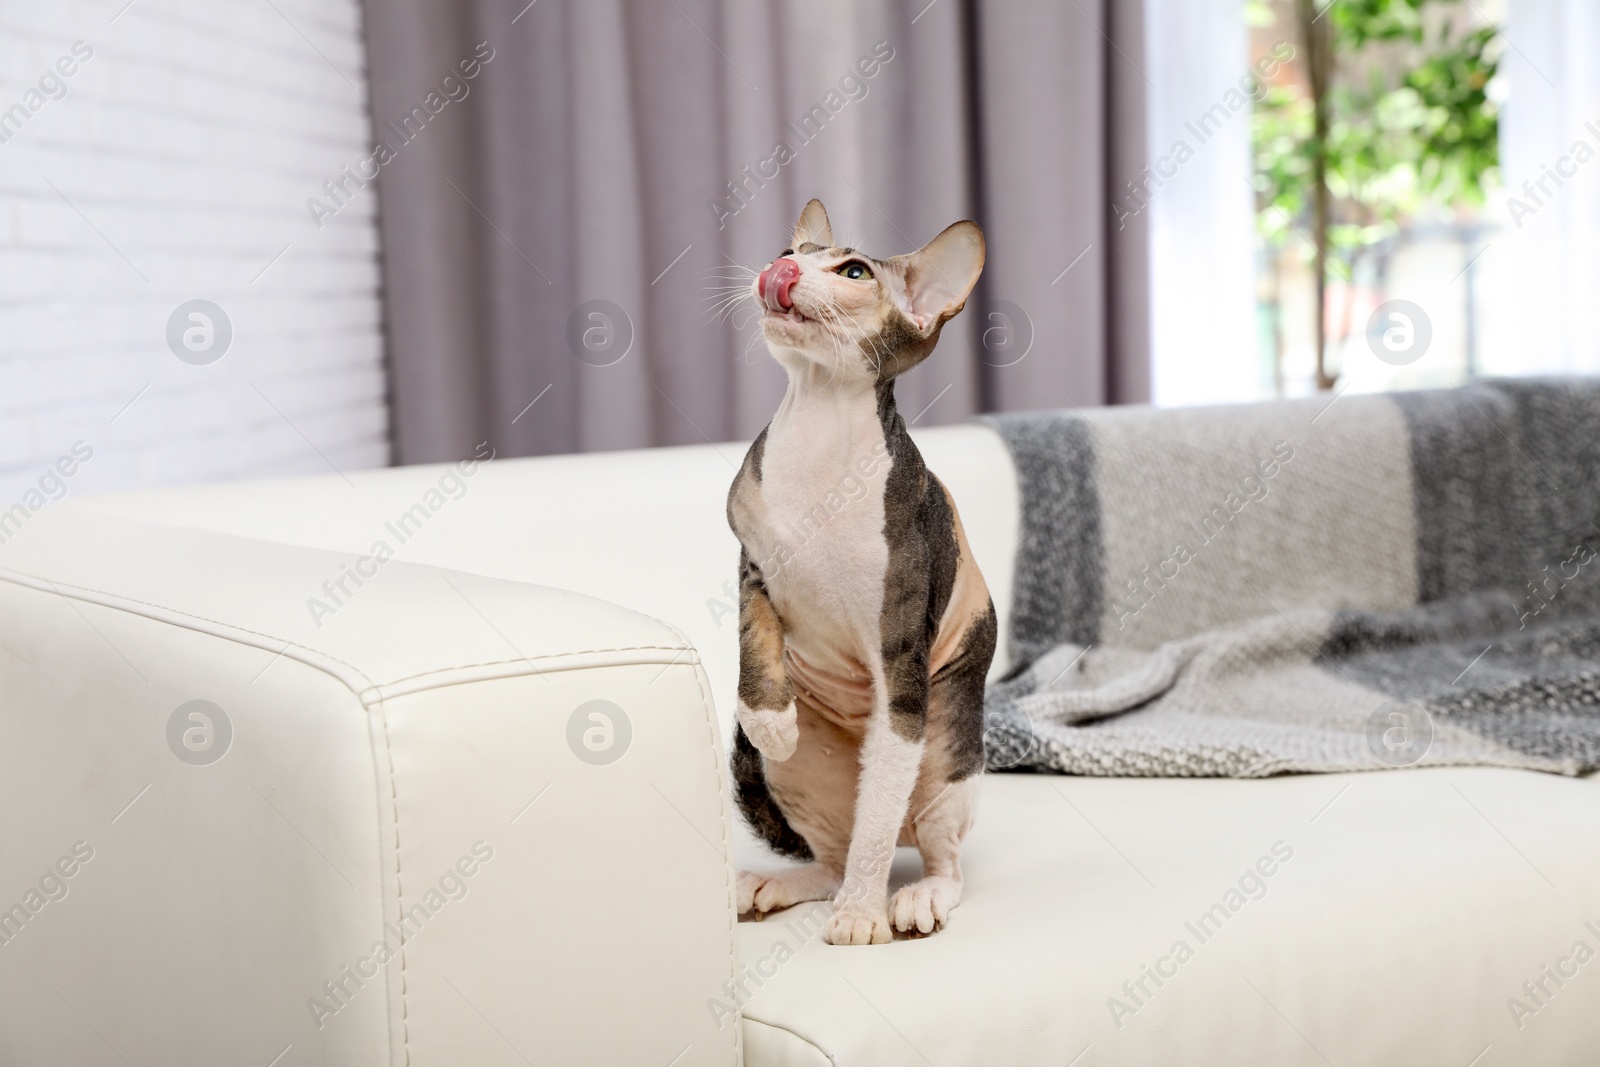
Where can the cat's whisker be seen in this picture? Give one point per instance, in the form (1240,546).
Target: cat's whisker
(730,269)
(750,346)
(840,353)
(725,300)
(718,315)
(719,296)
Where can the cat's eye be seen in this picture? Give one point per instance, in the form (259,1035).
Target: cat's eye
(854,270)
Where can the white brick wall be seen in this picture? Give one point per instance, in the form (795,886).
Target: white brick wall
(181,158)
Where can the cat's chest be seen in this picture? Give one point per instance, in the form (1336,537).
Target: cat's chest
(818,534)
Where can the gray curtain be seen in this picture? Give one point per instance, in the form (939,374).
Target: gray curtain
(553,227)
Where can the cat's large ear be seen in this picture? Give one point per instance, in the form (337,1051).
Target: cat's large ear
(940,275)
(812,227)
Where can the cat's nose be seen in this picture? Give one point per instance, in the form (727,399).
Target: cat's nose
(776,281)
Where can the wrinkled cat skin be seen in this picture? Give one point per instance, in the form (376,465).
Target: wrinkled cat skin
(865,628)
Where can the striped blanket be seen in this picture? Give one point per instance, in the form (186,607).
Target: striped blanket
(1375,581)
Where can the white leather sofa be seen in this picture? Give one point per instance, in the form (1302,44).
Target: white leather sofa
(396,835)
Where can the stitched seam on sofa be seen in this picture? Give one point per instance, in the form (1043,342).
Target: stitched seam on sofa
(798,1037)
(598,660)
(382,710)
(118,602)
(713,733)
(529,659)
(366,694)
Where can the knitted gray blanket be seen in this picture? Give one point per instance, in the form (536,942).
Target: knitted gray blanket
(1375,581)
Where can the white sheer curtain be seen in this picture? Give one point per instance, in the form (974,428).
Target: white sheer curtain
(1201,218)
(1546,302)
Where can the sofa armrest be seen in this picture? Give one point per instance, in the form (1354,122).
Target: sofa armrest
(392,833)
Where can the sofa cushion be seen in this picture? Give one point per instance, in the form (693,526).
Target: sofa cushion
(1373,919)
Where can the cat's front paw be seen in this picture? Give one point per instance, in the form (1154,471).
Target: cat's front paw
(855,924)
(774,733)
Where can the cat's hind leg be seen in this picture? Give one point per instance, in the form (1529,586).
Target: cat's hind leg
(763,893)
(945,800)
(802,807)
(924,906)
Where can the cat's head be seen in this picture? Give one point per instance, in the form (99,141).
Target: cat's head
(858,317)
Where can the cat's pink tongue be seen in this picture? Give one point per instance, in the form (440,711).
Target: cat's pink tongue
(776,281)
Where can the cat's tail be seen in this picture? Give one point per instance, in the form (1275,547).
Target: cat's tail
(756,803)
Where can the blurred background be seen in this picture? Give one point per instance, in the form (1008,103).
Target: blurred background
(249,238)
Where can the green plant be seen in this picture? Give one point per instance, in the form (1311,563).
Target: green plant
(1393,112)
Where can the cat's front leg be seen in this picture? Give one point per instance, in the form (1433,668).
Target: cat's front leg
(766,701)
(891,757)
